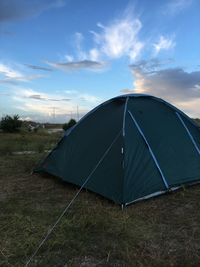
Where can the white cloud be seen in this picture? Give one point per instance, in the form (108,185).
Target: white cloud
(164,43)
(11,75)
(119,38)
(89,98)
(89,60)
(175,85)
(135,52)
(79,38)
(94,54)
(69,58)
(174,7)
(71,92)
(39,105)
(27,93)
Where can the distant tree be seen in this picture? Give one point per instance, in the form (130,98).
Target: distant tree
(10,124)
(68,125)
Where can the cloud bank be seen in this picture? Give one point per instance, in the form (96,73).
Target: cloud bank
(176,85)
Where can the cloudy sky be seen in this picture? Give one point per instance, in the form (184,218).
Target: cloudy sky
(57,55)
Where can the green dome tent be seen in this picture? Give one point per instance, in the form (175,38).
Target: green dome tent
(129,148)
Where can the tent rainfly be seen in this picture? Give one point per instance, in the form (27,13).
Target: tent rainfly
(129,148)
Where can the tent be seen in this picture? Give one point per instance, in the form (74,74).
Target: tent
(129,148)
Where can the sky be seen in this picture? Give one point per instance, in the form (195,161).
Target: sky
(61,58)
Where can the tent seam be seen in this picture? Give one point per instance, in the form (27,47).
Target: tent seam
(124,150)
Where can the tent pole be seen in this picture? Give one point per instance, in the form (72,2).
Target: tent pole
(123,146)
(188,132)
(124,117)
(150,150)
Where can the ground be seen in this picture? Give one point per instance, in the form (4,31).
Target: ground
(163,231)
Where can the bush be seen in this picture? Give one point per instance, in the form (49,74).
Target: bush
(10,124)
(68,125)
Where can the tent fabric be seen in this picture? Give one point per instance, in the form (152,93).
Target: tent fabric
(152,147)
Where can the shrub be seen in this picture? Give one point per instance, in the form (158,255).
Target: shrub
(10,124)
(68,125)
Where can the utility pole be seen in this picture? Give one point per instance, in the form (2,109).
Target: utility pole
(53,114)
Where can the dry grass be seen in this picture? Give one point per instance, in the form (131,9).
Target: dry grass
(95,233)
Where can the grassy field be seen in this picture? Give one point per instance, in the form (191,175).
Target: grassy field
(23,141)
(95,233)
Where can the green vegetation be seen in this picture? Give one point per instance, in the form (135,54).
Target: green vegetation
(10,124)
(68,125)
(95,233)
(23,141)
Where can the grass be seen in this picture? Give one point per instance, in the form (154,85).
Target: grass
(95,233)
(24,141)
